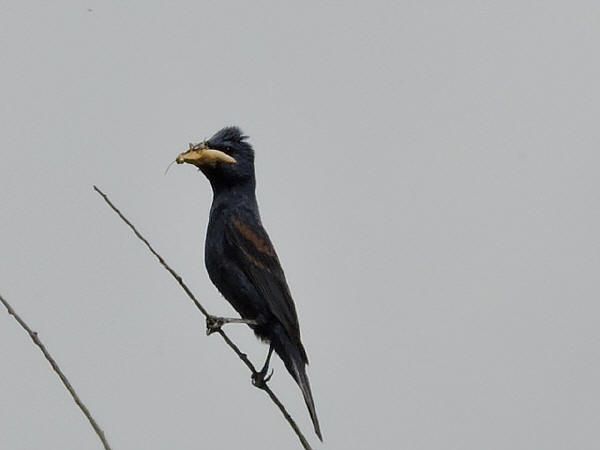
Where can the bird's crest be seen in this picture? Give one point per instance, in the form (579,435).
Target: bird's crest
(229,134)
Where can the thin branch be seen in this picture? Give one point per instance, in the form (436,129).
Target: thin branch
(226,338)
(36,340)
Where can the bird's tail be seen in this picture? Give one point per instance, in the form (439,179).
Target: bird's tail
(295,361)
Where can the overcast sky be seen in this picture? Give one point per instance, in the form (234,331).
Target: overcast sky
(429,174)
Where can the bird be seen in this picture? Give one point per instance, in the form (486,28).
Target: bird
(241,260)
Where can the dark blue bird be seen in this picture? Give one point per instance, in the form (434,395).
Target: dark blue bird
(241,260)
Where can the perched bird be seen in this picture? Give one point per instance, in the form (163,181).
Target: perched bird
(241,260)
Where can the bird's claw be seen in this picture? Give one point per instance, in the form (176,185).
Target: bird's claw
(259,380)
(213,324)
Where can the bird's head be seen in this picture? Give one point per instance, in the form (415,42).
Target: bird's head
(226,158)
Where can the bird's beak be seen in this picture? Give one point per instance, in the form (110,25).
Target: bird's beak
(200,155)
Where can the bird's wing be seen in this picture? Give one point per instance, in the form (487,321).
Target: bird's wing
(252,250)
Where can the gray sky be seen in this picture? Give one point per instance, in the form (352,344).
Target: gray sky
(427,172)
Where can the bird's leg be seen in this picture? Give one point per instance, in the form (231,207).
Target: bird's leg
(258,378)
(214,323)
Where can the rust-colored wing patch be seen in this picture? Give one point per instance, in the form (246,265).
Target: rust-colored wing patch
(253,259)
(261,244)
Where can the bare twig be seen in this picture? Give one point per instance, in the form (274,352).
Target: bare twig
(36,340)
(226,338)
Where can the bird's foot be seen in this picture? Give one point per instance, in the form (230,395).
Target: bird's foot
(260,380)
(214,323)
